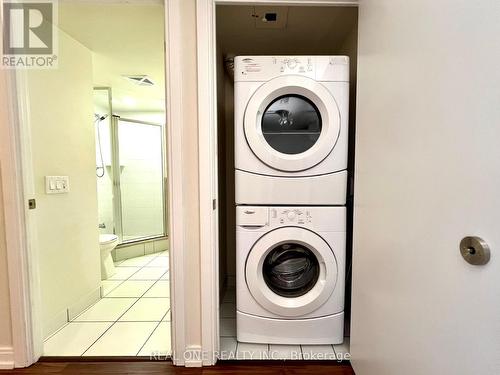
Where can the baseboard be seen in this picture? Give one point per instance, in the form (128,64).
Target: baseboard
(193,357)
(55,323)
(71,312)
(6,358)
(83,303)
(136,249)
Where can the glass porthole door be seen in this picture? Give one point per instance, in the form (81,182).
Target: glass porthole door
(292,123)
(291,271)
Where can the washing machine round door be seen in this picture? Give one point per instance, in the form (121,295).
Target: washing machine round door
(291,271)
(292,123)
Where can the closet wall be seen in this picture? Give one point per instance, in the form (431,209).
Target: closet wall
(303,31)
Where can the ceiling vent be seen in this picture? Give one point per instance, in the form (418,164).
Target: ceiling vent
(140,80)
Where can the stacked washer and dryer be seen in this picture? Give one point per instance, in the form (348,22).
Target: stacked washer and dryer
(291,140)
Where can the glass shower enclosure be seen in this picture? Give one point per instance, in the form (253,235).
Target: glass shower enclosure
(130,173)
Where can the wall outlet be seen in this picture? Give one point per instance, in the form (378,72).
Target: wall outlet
(56,184)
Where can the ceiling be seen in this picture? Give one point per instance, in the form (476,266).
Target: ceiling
(308,30)
(126,39)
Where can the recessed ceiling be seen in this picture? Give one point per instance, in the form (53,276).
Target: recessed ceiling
(309,30)
(127,39)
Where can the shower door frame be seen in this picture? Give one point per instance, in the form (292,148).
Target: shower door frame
(116,172)
(116,177)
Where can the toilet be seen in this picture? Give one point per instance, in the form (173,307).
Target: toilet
(107,242)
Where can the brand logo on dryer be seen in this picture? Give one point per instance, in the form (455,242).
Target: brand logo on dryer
(251,66)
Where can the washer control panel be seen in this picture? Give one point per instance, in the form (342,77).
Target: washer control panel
(265,218)
(288,215)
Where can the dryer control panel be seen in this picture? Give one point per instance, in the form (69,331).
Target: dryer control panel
(264,68)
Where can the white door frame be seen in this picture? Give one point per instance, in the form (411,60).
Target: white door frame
(207,141)
(17,187)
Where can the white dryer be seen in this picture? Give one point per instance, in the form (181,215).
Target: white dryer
(290,274)
(291,129)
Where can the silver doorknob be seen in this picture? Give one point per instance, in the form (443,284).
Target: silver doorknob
(475,250)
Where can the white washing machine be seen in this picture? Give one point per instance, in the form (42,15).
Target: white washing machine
(291,129)
(290,274)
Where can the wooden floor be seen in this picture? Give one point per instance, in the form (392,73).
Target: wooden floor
(225,367)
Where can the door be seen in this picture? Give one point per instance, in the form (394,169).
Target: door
(292,123)
(427,175)
(291,271)
(141,182)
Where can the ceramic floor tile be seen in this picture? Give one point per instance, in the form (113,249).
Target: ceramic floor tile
(159,342)
(159,262)
(228,327)
(228,310)
(147,310)
(74,338)
(285,352)
(136,262)
(160,289)
(342,351)
(123,273)
(317,352)
(148,273)
(167,317)
(131,288)
(122,339)
(228,348)
(108,285)
(248,351)
(106,309)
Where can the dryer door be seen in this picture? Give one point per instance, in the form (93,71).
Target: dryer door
(291,271)
(292,123)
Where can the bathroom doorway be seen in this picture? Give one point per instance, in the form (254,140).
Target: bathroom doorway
(97,126)
(130,172)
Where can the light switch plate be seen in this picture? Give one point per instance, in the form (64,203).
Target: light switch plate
(56,184)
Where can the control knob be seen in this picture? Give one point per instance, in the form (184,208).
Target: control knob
(292,64)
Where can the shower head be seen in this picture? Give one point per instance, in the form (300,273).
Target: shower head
(98,117)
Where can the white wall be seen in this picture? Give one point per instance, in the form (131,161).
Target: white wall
(427,174)
(63,144)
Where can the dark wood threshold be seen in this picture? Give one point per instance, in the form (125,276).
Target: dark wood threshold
(101,359)
(142,365)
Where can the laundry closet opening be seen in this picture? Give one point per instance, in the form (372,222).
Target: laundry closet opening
(299,274)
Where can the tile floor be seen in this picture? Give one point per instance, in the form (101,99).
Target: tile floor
(232,349)
(132,318)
